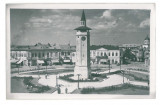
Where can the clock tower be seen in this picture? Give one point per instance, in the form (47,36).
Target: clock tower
(82,66)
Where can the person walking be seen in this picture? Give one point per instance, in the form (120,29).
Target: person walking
(46,76)
(59,90)
(66,90)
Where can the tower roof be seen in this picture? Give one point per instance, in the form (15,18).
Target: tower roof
(83,18)
(83,28)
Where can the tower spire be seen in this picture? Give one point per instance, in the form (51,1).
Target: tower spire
(83,19)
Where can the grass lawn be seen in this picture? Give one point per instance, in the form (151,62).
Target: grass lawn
(17,86)
(122,89)
(136,76)
(49,72)
(128,91)
(29,85)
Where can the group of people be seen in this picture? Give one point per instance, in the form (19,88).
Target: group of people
(59,90)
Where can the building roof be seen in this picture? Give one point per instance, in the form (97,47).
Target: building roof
(130,45)
(83,18)
(67,48)
(37,46)
(84,28)
(109,47)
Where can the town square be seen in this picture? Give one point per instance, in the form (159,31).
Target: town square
(81,51)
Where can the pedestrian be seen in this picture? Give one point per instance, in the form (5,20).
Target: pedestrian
(59,90)
(46,76)
(66,90)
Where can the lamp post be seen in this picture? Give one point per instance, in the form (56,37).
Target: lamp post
(120,63)
(123,76)
(38,66)
(18,69)
(57,80)
(46,72)
(109,65)
(78,79)
(120,58)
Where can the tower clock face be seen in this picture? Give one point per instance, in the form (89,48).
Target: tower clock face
(83,38)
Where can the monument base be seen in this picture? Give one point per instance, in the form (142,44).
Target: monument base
(83,71)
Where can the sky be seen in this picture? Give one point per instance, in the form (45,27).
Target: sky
(56,26)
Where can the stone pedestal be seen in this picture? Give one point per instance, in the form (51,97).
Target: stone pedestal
(84,72)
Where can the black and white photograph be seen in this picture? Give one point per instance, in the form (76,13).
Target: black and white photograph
(74,50)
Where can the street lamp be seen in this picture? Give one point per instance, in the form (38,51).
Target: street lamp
(38,67)
(57,80)
(120,63)
(123,76)
(120,58)
(18,69)
(78,79)
(109,65)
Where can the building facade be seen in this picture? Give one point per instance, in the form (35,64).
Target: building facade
(111,55)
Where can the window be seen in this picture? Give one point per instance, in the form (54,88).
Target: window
(105,54)
(112,61)
(116,54)
(62,53)
(56,54)
(101,54)
(21,54)
(48,55)
(68,53)
(32,54)
(94,53)
(109,54)
(51,54)
(24,55)
(112,53)
(97,53)
(39,55)
(35,54)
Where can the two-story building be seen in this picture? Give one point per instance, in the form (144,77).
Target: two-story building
(103,54)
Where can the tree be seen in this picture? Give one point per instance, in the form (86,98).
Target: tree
(128,56)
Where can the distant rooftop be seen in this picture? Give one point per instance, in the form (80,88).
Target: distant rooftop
(109,47)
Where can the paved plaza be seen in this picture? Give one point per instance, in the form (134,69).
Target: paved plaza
(111,80)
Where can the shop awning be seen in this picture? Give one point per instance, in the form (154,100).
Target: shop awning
(19,61)
(13,61)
